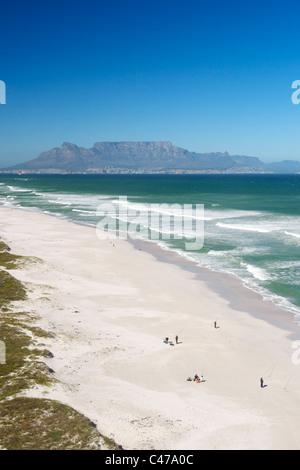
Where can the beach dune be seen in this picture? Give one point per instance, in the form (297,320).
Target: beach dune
(111,305)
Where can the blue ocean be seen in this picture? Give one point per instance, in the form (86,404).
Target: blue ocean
(251,222)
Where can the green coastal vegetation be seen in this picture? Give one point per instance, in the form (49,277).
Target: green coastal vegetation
(28,423)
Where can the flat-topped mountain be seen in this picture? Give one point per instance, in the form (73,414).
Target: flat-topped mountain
(145,156)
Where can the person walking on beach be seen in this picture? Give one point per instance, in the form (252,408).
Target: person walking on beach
(261,383)
(215,324)
(176,339)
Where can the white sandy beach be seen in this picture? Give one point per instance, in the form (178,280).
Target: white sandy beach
(111,305)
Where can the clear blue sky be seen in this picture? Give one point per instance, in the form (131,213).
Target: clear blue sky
(206,75)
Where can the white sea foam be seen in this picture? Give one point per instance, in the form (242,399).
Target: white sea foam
(258,273)
(84,211)
(218,253)
(246,228)
(19,190)
(296,235)
(209,214)
(62,203)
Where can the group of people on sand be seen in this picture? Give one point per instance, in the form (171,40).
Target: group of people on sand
(196,379)
(167,341)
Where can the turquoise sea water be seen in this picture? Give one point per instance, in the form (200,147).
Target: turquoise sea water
(251,223)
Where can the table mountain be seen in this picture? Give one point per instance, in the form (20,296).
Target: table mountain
(145,156)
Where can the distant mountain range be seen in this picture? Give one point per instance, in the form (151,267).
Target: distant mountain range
(146,157)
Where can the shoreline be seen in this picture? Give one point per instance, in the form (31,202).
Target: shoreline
(110,308)
(225,284)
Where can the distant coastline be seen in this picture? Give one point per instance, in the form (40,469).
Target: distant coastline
(145,158)
(126,171)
